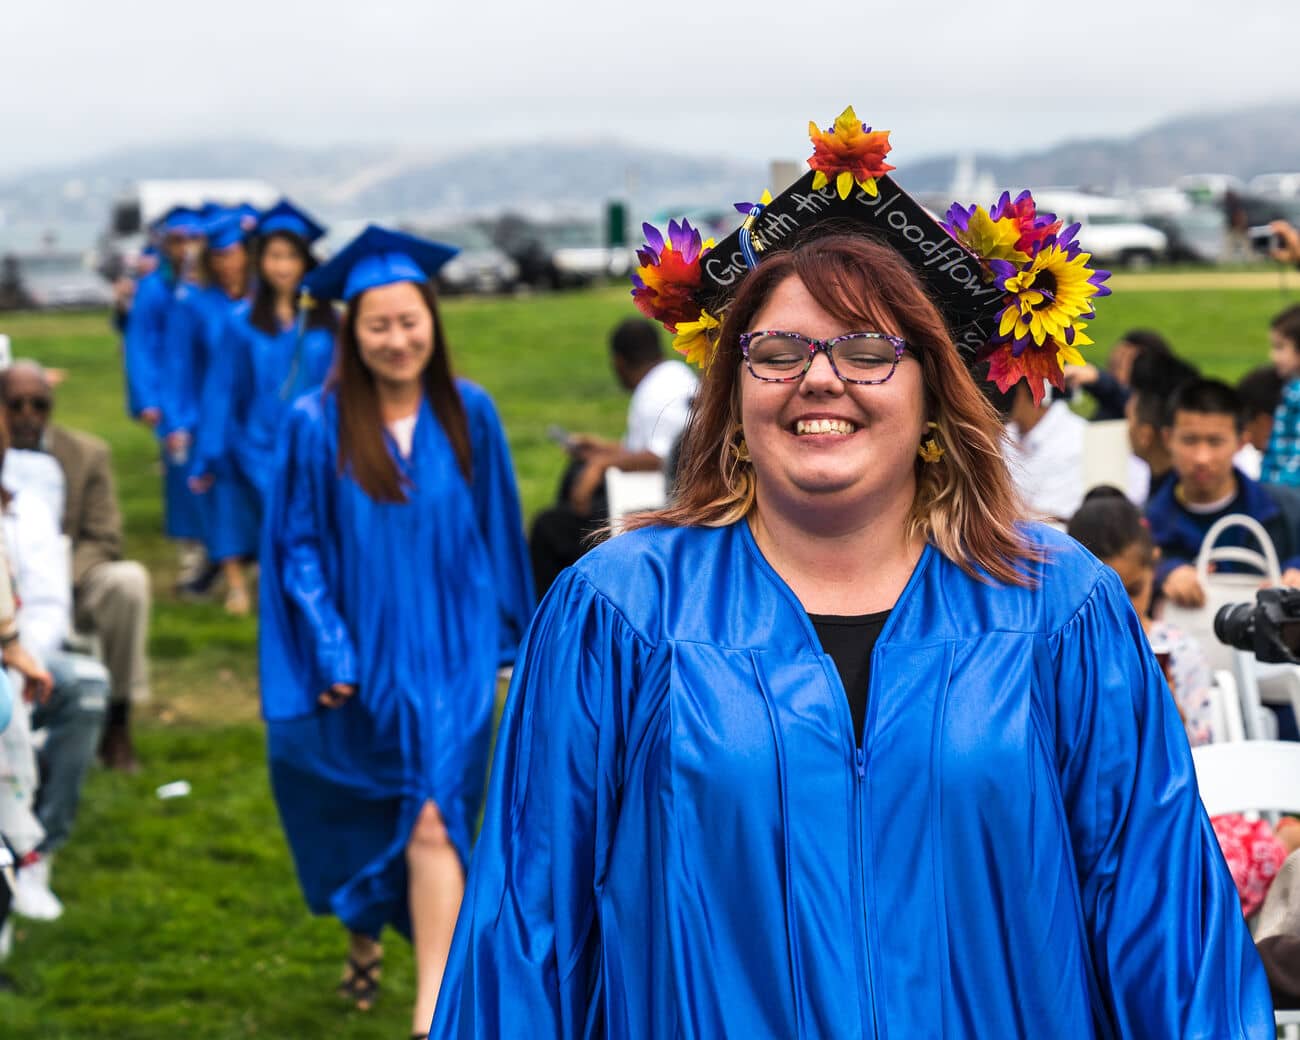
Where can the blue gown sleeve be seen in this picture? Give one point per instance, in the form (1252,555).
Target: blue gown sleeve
(180,358)
(222,344)
(303,630)
(143,345)
(500,520)
(1171,953)
(525,956)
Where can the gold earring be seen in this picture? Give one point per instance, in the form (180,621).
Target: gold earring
(931,451)
(736,446)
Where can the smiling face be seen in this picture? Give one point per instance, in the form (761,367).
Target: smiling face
(820,443)
(1284,353)
(394,332)
(282,265)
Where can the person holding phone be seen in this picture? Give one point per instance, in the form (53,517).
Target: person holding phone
(662,391)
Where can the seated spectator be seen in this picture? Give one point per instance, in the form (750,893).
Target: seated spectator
(1261,393)
(1157,373)
(1109,386)
(1204,432)
(1277,935)
(1111,528)
(661,402)
(110,595)
(73,713)
(1281,463)
(1044,450)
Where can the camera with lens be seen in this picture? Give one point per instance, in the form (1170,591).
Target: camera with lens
(1269,628)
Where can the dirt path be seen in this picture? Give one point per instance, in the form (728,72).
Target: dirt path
(1194,281)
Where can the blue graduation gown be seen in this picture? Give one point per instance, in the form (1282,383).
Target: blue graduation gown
(682,840)
(264,374)
(193,389)
(417,604)
(145,353)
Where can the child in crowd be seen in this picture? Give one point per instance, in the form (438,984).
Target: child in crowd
(1260,391)
(1112,529)
(1281,463)
(1204,431)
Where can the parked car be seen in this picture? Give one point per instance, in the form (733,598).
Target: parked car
(479,267)
(56,280)
(1108,228)
(1196,235)
(579,254)
(1277,185)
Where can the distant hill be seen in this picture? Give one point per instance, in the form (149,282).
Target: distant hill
(378,182)
(382,183)
(1243,142)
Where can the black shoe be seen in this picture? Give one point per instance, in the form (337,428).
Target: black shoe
(200,587)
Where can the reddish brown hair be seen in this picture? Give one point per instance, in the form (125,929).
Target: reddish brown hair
(362,451)
(965,504)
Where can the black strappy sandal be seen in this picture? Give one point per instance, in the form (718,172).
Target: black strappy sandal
(360,982)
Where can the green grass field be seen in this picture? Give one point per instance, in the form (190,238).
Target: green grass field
(183,917)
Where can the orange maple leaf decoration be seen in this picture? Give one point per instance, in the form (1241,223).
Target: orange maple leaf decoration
(1033,365)
(850,153)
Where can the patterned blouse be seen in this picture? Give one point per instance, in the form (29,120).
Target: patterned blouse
(1252,850)
(1281,463)
(1191,680)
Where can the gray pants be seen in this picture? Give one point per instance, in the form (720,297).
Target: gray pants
(72,720)
(113,602)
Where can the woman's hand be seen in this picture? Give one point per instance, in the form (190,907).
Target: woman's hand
(1183,587)
(589,480)
(1080,375)
(201,485)
(337,695)
(37,682)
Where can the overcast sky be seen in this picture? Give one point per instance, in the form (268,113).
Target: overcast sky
(741,77)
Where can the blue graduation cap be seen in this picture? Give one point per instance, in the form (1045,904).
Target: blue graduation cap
(210,211)
(181,220)
(248,215)
(377,257)
(225,229)
(285,216)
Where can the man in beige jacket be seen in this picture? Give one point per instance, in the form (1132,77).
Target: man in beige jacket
(111,596)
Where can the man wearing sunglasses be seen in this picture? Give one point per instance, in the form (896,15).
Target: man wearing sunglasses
(110,595)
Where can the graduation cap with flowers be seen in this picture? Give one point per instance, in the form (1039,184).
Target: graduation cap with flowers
(1014,286)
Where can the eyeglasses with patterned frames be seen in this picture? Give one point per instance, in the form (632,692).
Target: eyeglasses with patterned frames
(864,358)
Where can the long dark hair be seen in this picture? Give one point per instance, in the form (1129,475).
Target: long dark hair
(262,316)
(362,452)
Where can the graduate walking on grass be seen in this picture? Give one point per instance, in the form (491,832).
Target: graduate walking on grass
(195,342)
(274,347)
(395,582)
(836,744)
(180,233)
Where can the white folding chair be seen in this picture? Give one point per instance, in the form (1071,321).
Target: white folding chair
(1258,684)
(631,491)
(1252,776)
(1248,776)
(1106,454)
(1227,721)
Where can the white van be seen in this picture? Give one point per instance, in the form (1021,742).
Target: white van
(1109,228)
(145,201)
